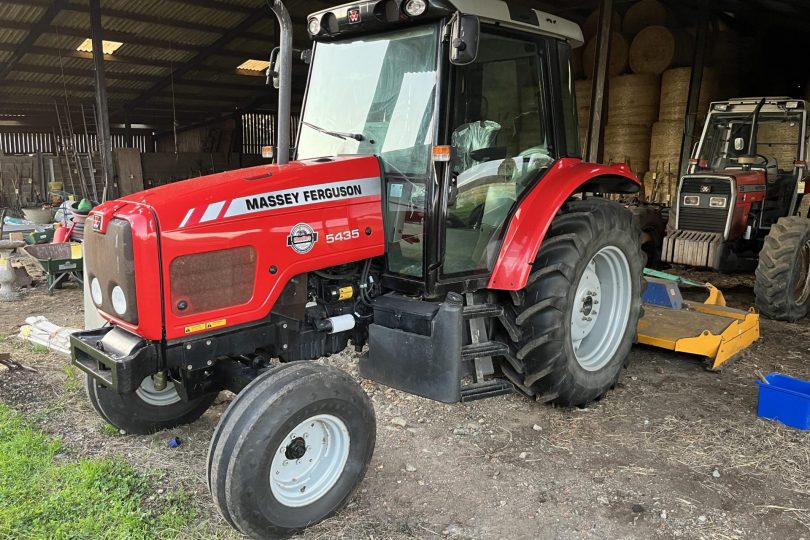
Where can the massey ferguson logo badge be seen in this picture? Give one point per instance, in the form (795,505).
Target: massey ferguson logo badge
(302,238)
(354,15)
(705,189)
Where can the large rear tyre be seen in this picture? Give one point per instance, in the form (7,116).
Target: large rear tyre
(291,449)
(147,410)
(782,286)
(579,311)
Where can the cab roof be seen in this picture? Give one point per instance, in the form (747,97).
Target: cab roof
(373,14)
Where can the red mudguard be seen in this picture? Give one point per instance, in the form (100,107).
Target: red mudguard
(533,217)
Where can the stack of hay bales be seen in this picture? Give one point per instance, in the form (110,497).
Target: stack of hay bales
(584,89)
(661,182)
(649,87)
(633,106)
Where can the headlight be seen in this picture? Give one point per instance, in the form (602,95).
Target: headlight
(119,301)
(414,8)
(314,27)
(717,202)
(95,291)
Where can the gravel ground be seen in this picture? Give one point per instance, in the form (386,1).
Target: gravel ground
(675,451)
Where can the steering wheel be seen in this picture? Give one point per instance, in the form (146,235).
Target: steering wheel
(749,160)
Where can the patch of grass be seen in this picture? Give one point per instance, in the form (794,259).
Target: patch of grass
(73,383)
(109,430)
(39,349)
(44,495)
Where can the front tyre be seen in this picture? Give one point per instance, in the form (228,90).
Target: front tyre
(782,286)
(579,311)
(147,409)
(291,449)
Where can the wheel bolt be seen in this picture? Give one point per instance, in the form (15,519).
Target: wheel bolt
(284,464)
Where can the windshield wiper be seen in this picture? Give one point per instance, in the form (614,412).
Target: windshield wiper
(339,134)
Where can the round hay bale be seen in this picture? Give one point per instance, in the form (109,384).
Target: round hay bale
(628,144)
(618,56)
(646,13)
(591,24)
(665,156)
(675,93)
(658,48)
(583,90)
(634,99)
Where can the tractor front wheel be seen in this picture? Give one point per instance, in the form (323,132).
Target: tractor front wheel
(147,409)
(579,310)
(291,449)
(782,286)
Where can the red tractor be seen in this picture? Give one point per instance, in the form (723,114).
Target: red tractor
(433,209)
(740,207)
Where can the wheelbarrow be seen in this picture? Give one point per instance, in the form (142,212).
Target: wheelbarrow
(60,262)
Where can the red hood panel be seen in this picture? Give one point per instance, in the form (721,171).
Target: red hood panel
(743,178)
(261,190)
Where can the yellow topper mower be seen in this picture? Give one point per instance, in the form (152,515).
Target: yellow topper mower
(709,329)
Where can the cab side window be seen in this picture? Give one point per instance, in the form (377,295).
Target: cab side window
(500,145)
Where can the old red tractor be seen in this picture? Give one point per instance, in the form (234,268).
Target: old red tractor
(433,209)
(740,207)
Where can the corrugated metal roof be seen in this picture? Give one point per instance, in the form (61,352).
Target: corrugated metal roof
(146,62)
(20,12)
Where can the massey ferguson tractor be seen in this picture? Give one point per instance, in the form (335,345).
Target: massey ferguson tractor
(740,206)
(433,208)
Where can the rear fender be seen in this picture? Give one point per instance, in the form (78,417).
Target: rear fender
(532,219)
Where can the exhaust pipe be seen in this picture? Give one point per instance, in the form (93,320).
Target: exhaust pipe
(283,67)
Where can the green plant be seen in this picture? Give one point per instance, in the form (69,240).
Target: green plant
(45,494)
(73,383)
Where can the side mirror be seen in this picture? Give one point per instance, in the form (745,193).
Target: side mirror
(739,144)
(465,32)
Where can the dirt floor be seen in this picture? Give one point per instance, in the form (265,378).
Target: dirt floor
(673,451)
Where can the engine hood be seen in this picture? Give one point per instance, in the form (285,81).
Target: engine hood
(742,177)
(243,193)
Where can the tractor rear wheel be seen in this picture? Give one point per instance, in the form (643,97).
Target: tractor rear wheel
(146,410)
(291,449)
(782,286)
(579,311)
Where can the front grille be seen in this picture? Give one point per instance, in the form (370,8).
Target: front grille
(716,186)
(702,219)
(109,257)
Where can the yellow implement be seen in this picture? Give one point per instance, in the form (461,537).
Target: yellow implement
(709,329)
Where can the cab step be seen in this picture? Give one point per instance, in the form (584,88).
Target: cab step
(488,389)
(482,311)
(484,349)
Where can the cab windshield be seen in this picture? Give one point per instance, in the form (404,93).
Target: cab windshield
(778,141)
(374,95)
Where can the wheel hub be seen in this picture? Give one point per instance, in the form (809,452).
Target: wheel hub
(149,393)
(601,308)
(587,300)
(310,460)
(296,449)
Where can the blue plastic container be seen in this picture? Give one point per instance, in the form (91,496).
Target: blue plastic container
(785,400)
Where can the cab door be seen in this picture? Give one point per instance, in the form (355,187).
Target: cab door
(501,146)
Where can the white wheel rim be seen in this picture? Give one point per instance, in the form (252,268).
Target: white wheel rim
(309,461)
(601,308)
(159,398)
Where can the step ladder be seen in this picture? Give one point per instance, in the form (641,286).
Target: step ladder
(481,350)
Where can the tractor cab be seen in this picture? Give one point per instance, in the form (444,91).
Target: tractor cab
(460,111)
(746,173)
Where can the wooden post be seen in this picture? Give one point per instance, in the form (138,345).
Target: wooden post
(695,84)
(600,82)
